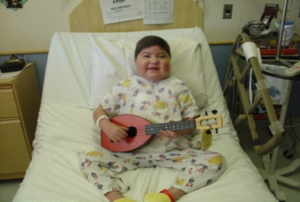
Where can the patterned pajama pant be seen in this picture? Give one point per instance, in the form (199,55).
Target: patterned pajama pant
(197,168)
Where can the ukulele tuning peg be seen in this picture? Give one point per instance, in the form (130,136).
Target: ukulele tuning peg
(208,132)
(214,111)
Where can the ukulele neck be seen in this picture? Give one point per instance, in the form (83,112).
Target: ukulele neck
(173,126)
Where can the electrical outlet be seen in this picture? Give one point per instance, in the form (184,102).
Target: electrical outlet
(271,10)
(227,11)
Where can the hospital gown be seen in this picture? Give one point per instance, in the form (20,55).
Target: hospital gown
(158,102)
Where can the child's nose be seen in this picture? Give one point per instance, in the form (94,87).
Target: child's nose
(154,60)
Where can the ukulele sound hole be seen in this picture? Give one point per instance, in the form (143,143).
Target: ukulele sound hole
(131,132)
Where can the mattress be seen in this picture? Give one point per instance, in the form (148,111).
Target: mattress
(66,130)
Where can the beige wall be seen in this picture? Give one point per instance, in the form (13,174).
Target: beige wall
(222,30)
(30,29)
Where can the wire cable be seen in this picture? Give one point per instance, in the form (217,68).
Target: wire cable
(290,118)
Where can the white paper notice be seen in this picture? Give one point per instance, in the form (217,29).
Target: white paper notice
(158,11)
(121,10)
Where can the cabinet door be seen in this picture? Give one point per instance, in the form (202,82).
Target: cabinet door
(14,155)
(8,107)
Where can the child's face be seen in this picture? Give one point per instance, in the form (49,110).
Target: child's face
(153,63)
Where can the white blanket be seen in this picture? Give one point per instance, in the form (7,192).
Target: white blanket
(66,129)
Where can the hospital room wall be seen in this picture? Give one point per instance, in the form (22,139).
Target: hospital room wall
(29,30)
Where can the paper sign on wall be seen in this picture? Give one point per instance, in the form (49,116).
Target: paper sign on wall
(121,10)
(158,12)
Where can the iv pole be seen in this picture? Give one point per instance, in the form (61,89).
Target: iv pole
(281,29)
(269,173)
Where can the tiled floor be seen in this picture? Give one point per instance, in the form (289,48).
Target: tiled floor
(292,194)
(8,188)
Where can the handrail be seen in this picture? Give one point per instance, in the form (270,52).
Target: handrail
(265,96)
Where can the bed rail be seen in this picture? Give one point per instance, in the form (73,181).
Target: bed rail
(247,108)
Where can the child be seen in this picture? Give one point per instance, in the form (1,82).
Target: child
(159,98)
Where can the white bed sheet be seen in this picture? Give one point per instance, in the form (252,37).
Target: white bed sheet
(65,130)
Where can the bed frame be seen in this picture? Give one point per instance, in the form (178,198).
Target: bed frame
(56,158)
(269,173)
(238,79)
(87,17)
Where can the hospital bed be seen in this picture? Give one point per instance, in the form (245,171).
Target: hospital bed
(81,67)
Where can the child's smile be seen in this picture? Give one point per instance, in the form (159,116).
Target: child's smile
(153,68)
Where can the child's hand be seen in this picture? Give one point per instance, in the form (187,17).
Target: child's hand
(115,132)
(169,134)
(173,135)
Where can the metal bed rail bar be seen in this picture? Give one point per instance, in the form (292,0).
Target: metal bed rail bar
(238,80)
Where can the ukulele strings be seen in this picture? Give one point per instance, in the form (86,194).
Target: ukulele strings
(181,125)
(141,129)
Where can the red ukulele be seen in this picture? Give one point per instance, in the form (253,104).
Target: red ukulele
(141,132)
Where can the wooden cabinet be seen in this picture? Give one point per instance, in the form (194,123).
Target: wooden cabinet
(20,99)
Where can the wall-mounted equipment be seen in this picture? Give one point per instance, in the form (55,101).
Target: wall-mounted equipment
(271,10)
(13,4)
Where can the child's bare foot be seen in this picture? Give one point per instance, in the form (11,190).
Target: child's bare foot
(114,195)
(124,200)
(169,195)
(176,193)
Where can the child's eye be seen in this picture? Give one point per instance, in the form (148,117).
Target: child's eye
(162,56)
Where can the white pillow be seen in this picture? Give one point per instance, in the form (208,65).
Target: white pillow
(109,66)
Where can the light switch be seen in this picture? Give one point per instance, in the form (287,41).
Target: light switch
(227,11)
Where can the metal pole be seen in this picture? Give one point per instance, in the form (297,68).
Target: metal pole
(281,28)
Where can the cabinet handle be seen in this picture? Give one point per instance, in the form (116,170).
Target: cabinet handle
(9,121)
